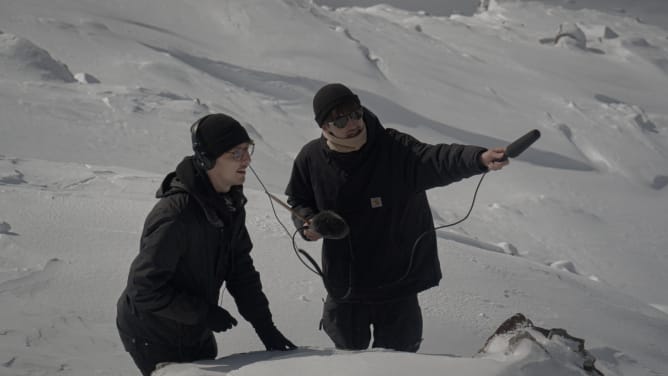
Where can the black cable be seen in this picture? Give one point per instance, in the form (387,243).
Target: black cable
(271,202)
(316,268)
(419,238)
(475,194)
(299,252)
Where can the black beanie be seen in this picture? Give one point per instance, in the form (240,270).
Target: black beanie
(329,97)
(218,133)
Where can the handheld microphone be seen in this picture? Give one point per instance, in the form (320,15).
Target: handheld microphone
(330,225)
(521,144)
(326,223)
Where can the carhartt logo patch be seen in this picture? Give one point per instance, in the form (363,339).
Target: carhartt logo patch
(376,202)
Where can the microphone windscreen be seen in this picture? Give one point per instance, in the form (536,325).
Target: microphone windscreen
(522,143)
(330,225)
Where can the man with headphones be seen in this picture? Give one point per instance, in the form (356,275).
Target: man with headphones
(194,240)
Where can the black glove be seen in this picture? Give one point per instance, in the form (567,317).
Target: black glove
(273,339)
(219,320)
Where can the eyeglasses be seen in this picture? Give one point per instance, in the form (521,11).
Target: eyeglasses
(238,154)
(341,121)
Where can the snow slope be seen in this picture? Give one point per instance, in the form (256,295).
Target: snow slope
(97,97)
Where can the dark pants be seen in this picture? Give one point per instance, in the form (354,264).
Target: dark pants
(397,325)
(147,355)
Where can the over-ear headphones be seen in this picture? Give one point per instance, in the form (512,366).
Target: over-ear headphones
(201,159)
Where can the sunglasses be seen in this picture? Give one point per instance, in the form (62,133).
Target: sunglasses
(341,121)
(239,153)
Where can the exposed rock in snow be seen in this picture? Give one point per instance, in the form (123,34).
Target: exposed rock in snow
(564,265)
(517,336)
(509,248)
(5,227)
(85,78)
(570,34)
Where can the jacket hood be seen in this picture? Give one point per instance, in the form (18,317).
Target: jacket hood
(187,178)
(373,125)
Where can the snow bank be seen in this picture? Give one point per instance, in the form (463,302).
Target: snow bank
(22,60)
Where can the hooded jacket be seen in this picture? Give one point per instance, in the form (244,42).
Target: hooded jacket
(193,241)
(379,191)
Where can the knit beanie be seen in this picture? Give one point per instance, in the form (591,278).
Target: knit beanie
(218,133)
(328,98)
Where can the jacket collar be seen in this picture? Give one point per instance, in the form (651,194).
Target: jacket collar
(374,129)
(219,208)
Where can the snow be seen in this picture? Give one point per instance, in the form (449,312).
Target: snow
(97,98)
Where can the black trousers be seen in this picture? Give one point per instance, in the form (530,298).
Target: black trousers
(397,324)
(147,355)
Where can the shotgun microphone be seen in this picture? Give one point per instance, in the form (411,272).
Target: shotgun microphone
(521,144)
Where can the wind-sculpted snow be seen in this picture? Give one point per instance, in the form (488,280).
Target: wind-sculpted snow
(30,282)
(621,125)
(22,59)
(294,89)
(281,87)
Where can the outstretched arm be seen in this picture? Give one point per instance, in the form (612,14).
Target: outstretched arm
(430,166)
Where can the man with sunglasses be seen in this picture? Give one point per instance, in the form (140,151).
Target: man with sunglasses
(375,179)
(194,240)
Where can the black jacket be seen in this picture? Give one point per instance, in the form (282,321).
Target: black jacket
(193,240)
(380,192)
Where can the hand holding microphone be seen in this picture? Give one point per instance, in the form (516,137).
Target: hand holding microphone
(496,158)
(326,224)
(310,233)
(521,144)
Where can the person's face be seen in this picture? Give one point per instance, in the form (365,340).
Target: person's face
(350,116)
(230,167)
